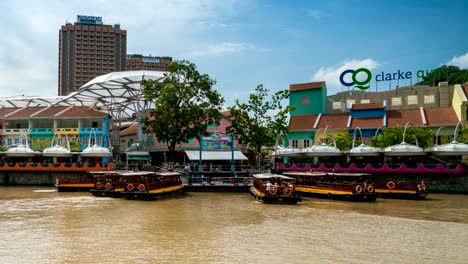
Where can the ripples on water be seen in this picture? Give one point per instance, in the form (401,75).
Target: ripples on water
(42,226)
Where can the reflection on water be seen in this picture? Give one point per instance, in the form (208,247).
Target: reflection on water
(39,225)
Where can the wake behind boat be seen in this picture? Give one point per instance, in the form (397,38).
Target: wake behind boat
(274,189)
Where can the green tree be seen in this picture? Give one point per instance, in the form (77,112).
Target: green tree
(345,142)
(452,74)
(394,136)
(75,146)
(185,103)
(258,122)
(40,144)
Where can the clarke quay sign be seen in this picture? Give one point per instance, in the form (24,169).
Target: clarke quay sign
(363,82)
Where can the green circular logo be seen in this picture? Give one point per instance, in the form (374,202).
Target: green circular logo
(362,85)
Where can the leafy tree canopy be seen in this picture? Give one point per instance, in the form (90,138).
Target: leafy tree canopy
(452,74)
(185,103)
(394,136)
(258,122)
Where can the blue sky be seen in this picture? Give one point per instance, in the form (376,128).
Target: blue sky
(244,43)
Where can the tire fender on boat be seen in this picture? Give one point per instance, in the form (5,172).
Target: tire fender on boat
(370,188)
(130,187)
(108,186)
(358,188)
(141,187)
(98,185)
(287,191)
(273,190)
(391,185)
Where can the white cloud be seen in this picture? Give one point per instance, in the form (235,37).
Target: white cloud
(331,75)
(30,34)
(220,49)
(461,61)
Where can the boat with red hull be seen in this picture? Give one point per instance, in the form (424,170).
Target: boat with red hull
(274,189)
(108,183)
(334,185)
(401,190)
(146,185)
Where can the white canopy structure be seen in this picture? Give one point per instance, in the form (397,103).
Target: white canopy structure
(215,155)
(116,92)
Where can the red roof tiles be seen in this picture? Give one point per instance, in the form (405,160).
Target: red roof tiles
(336,121)
(367,106)
(302,122)
(306,86)
(369,122)
(399,118)
(443,116)
(132,130)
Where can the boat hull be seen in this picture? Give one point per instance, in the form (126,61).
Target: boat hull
(402,194)
(106,193)
(153,195)
(337,195)
(274,199)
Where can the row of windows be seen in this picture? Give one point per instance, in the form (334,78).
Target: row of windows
(396,101)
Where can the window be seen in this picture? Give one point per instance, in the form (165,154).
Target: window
(149,141)
(294,143)
(350,103)
(412,99)
(365,101)
(396,101)
(429,99)
(306,143)
(336,105)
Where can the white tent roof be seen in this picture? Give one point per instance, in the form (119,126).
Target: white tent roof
(115,92)
(215,155)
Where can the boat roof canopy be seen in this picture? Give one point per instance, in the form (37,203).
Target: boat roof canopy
(317,174)
(215,155)
(265,176)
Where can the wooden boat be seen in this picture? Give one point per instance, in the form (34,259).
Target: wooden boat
(401,190)
(108,183)
(148,185)
(74,182)
(274,189)
(337,186)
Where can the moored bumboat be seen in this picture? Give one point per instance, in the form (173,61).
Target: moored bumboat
(401,190)
(146,185)
(336,186)
(108,183)
(274,189)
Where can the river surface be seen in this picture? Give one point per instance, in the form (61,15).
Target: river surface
(39,225)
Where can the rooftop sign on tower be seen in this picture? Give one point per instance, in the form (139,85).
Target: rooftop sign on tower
(89,20)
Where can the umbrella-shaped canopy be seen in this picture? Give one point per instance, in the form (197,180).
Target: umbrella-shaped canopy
(56,151)
(288,152)
(21,151)
(96,151)
(364,150)
(404,149)
(323,150)
(450,149)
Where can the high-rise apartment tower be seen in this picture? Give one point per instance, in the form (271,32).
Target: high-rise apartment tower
(137,62)
(87,49)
